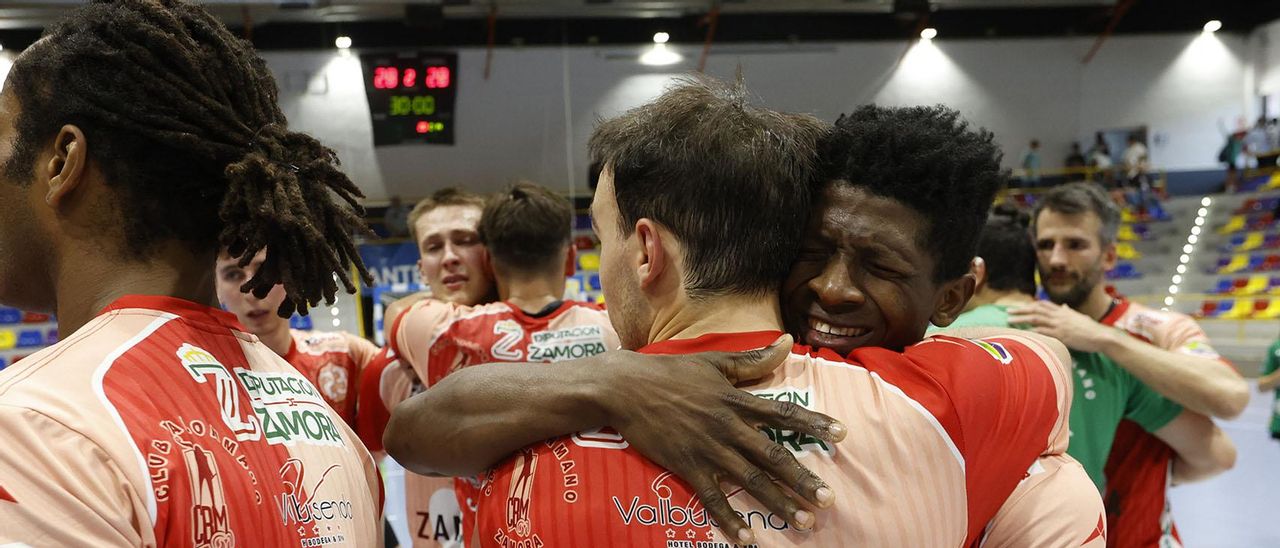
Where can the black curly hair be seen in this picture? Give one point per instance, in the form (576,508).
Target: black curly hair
(184,123)
(1005,245)
(928,159)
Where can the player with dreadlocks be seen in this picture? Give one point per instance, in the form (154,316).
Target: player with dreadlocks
(137,139)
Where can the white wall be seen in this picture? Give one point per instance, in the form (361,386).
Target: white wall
(513,125)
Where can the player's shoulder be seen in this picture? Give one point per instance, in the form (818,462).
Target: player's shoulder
(70,365)
(320,342)
(1148,322)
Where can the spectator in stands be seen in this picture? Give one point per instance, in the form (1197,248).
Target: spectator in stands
(1076,158)
(1136,165)
(1270,381)
(1100,160)
(1031,164)
(1229,156)
(1074,231)
(396,219)
(1256,142)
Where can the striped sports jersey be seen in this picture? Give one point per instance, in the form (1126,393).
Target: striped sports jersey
(160,423)
(332,361)
(438,338)
(1137,470)
(940,435)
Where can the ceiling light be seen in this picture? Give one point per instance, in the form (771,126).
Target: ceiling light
(661,38)
(660,55)
(1202,212)
(1188,248)
(1182,269)
(1168,301)
(929,33)
(343,42)
(1184,259)
(1195,230)
(1213,26)
(1177,279)
(1173,290)
(1206,201)
(1199,221)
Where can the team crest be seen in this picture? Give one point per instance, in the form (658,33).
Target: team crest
(997,351)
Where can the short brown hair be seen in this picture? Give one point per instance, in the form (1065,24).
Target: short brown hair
(526,226)
(731,180)
(1079,198)
(451,196)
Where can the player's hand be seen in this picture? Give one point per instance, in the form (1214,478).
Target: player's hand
(684,413)
(1077,331)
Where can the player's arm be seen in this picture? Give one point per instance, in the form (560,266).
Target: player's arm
(58,488)
(682,412)
(1270,379)
(1199,383)
(1202,449)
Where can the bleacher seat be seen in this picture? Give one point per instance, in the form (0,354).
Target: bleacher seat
(1271,312)
(1255,285)
(1126,251)
(1225,285)
(1233,264)
(1124,271)
(1235,224)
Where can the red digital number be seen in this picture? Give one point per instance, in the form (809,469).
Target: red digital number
(410,78)
(386,78)
(437,77)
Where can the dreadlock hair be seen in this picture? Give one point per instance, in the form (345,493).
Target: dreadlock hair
(928,159)
(185,125)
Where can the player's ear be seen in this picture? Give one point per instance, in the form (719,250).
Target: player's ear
(951,298)
(651,255)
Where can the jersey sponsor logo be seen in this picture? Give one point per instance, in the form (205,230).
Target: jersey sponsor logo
(521,491)
(210,527)
(997,351)
(1099,531)
(510,334)
(666,513)
(202,365)
(799,443)
(1200,349)
(566,344)
(303,506)
(600,438)
(442,522)
(332,381)
(290,408)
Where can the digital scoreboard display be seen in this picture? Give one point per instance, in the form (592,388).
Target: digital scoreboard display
(411,96)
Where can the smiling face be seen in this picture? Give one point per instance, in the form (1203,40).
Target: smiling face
(864,276)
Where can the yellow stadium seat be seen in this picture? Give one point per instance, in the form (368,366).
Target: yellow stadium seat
(1127,234)
(1127,216)
(1273,183)
(1253,240)
(1242,309)
(1238,263)
(1271,312)
(1127,252)
(1235,224)
(8,339)
(589,262)
(1257,285)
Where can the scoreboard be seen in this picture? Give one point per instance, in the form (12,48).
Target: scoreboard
(411,96)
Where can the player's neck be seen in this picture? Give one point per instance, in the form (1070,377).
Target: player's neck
(731,314)
(278,339)
(530,293)
(90,277)
(1005,298)
(1097,303)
